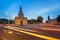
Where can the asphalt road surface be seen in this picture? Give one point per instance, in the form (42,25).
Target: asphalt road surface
(9,34)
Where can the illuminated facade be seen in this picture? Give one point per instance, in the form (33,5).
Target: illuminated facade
(20,19)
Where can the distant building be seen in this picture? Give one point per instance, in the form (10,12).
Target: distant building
(20,19)
(52,21)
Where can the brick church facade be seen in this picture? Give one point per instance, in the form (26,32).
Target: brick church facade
(20,19)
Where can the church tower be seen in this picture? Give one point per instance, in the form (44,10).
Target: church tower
(20,19)
(48,18)
(20,14)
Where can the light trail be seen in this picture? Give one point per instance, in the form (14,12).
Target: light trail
(3,38)
(10,32)
(33,34)
(23,29)
(58,30)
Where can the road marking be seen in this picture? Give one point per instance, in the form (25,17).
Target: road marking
(33,34)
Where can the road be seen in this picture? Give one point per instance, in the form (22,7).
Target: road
(14,33)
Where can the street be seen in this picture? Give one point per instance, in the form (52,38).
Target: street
(29,19)
(15,33)
(17,36)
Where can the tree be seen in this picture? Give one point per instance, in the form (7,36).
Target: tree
(3,21)
(11,21)
(29,21)
(32,21)
(58,19)
(40,19)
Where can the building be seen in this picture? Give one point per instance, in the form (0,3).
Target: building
(52,21)
(20,19)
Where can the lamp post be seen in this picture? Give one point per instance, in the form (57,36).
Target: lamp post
(5,17)
(14,18)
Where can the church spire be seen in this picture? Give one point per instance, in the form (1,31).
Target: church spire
(20,14)
(48,18)
(20,8)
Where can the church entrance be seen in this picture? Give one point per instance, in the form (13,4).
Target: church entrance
(21,23)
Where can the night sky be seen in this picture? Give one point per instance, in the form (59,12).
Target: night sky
(30,8)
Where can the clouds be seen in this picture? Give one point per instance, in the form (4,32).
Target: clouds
(44,10)
(31,8)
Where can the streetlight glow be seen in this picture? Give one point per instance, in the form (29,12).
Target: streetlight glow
(14,17)
(43,21)
(6,13)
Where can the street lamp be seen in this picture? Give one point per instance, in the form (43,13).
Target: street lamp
(5,16)
(14,18)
